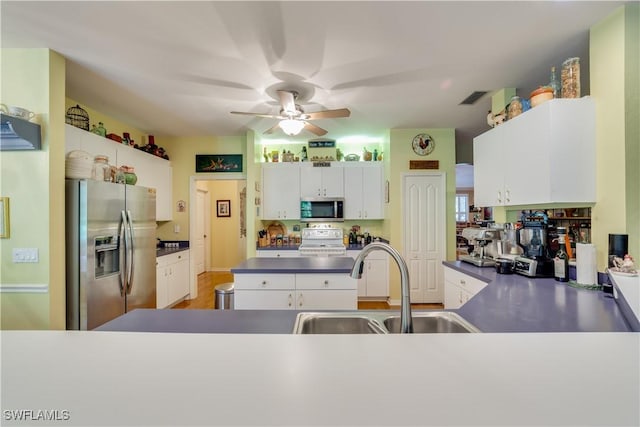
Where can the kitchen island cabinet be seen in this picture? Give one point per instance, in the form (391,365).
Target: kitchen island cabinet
(303,283)
(544,155)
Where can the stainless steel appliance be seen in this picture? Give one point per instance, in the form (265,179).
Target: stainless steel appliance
(322,209)
(110,251)
(322,241)
(532,238)
(485,246)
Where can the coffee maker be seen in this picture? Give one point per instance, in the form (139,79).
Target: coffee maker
(532,238)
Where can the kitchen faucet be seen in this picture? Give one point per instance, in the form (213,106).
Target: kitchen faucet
(406,323)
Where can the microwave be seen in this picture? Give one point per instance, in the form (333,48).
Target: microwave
(322,209)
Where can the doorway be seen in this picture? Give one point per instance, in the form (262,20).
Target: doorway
(424,233)
(216,224)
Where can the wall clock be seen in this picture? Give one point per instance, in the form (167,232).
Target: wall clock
(423,144)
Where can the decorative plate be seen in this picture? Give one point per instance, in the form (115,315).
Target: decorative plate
(423,144)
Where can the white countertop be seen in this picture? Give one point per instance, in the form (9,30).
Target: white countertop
(118,378)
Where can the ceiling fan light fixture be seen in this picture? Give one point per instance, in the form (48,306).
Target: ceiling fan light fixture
(291,127)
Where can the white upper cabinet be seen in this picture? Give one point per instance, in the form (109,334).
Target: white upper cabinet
(152,171)
(321,181)
(545,155)
(281,190)
(363,190)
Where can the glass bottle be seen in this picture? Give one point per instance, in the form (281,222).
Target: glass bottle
(554,84)
(561,261)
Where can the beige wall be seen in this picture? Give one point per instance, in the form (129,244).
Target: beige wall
(34,182)
(227,245)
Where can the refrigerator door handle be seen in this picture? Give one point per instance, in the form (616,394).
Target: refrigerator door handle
(122,236)
(131,249)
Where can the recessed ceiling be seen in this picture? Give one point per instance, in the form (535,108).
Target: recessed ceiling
(179,68)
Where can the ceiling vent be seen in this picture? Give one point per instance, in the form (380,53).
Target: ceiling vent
(471,99)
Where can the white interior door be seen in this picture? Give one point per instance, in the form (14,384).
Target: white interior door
(199,238)
(424,226)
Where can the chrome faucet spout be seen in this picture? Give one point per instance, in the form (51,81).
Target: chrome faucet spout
(406,323)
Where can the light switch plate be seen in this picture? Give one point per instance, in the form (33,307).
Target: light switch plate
(25,254)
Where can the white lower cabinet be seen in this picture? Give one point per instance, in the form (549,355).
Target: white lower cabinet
(295,292)
(172,278)
(459,288)
(374,282)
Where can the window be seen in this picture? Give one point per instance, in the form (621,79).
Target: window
(462,207)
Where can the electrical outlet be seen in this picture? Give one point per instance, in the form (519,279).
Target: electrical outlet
(25,254)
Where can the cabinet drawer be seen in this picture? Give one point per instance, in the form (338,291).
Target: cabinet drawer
(172,258)
(325,281)
(264,300)
(464,281)
(289,253)
(264,281)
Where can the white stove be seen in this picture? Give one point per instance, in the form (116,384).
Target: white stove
(322,242)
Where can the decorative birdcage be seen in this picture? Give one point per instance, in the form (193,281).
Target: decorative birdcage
(78,117)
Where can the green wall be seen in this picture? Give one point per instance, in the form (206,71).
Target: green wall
(615,51)
(34,182)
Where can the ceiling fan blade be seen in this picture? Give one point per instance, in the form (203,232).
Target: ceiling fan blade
(287,101)
(272,129)
(328,114)
(270,116)
(314,129)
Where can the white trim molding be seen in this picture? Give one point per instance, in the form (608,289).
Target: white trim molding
(24,288)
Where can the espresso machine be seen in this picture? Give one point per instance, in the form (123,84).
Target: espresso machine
(532,238)
(485,246)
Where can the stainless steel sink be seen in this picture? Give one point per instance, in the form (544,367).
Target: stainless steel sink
(432,323)
(382,322)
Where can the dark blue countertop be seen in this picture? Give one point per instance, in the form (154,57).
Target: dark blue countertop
(295,265)
(166,251)
(515,303)
(510,303)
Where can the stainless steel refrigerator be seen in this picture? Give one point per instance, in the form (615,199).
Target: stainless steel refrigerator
(110,251)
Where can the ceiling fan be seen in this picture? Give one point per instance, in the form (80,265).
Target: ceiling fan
(293,118)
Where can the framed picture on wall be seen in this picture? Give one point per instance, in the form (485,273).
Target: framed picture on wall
(218,162)
(223,207)
(4,217)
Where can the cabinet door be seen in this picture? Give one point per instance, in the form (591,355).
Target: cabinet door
(281,191)
(377,277)
(373,192)
(452,296)
(158,175)
(526,158)
(264,300)
(180,278)
(327,299)
(332,181)
(488,168)
(162,301)
(353,195)
(310,181)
